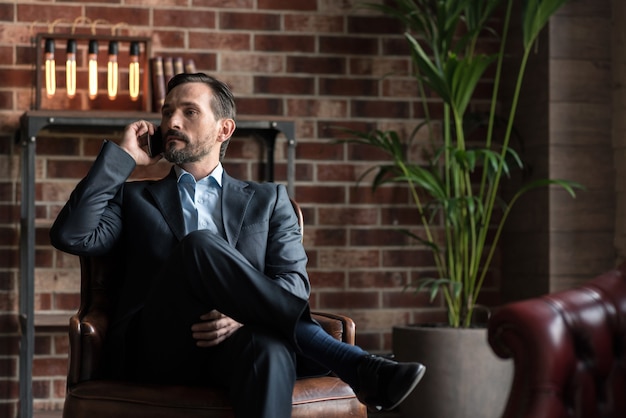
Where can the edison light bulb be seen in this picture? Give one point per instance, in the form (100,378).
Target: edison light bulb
(133,71)
(112,73)
(70,68)
(50,73)
(93,69)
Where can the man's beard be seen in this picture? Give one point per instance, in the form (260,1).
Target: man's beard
(181,156)
(188,154)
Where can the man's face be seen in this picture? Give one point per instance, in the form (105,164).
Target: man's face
(190,131)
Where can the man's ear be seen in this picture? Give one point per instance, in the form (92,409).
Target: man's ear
(227,129)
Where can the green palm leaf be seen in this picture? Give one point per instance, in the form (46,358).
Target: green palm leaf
(535,16)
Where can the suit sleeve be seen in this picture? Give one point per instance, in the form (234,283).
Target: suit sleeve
(285,258)
(90,223)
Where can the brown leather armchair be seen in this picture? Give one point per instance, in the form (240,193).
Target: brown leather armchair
(569,350)
(90,396)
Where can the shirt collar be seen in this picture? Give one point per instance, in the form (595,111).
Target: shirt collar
(217,175)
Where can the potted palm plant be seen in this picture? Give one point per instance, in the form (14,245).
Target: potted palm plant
(458,192)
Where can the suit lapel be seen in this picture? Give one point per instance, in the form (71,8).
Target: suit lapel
(165,194)
(235,199)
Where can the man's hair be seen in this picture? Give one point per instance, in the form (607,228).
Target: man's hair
(222,103)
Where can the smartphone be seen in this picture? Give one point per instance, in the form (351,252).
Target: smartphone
(155,143)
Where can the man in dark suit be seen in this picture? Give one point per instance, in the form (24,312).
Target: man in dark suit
(215,284)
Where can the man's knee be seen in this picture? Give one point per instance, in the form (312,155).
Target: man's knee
(199,239)
(270,352)
(205,250)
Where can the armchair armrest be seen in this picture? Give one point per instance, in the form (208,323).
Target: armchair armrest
(543,360)
(88,327)
(339,326)
(86,337)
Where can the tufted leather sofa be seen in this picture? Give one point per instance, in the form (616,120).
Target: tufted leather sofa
(569,350)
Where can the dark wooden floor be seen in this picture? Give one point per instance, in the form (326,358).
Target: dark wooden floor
(57,414)
(47,414)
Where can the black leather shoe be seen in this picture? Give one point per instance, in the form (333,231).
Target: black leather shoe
(383,384)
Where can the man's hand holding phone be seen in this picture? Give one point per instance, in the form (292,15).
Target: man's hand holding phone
(142,141)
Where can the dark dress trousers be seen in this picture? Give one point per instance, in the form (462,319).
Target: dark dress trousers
(256,274)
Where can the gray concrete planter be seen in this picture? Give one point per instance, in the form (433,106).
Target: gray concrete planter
(464,378)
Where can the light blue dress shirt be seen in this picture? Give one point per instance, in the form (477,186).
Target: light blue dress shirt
(201,200)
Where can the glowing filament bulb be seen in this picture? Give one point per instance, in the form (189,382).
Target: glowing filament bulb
(50,73)
(112,73)
(93,69)
(133,71)
(70,69)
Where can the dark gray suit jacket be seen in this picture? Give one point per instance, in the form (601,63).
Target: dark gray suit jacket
(143,221)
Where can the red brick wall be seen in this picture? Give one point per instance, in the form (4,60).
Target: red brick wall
(318,62)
